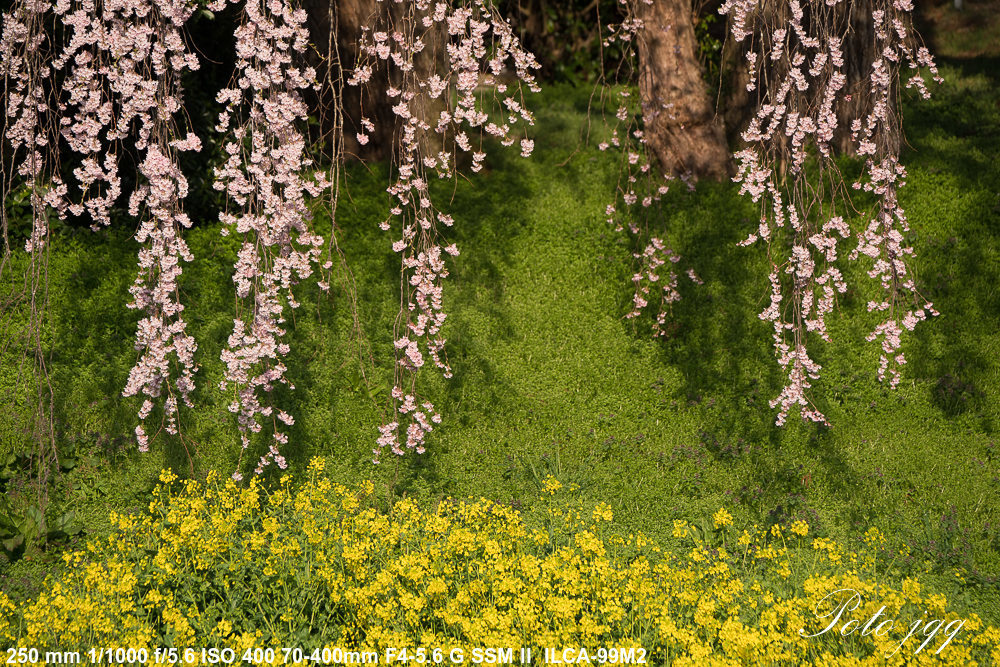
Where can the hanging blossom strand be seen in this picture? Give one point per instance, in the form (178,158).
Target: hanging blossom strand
(267,179)
(23,66)
(480,53)
(27,126)
(799,51)
(119,67)
(163,331)
(877,137)
(640,185)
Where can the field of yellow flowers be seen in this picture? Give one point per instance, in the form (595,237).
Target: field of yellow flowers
(315,565)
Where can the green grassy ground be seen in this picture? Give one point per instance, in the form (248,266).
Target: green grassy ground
(549,377)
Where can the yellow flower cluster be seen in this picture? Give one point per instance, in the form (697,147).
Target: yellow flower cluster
(317,565)
(722,519)
(551,484)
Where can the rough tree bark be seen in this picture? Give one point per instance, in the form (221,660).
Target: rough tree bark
(681,127)
(338,24)
(736,105)
(859,54)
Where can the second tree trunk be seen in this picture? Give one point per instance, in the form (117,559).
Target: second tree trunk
(681,128)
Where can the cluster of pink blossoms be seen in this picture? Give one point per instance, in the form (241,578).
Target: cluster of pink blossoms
(267,178)
(651,259)
(799,108)
(116,77)
(480,49)
(876,136)
(23,64)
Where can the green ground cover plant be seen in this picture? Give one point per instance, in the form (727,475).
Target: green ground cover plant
(551,383)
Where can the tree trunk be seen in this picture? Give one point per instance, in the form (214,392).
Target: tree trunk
(681,128)
(335,29)
(859,54)
(737,105)
(336,25)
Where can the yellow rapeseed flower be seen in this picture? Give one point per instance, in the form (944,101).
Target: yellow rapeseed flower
(603,512)
(551,485)
(874,537)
